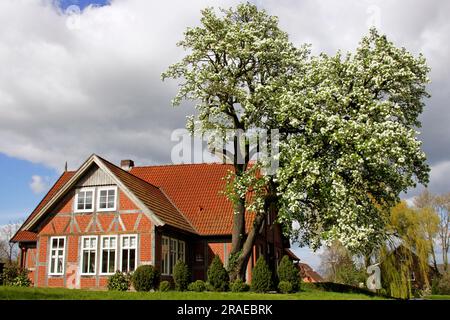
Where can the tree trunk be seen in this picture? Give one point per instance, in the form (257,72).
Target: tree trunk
(433,255)
(241,263)
(238,235)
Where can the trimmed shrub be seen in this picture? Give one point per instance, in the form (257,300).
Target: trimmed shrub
(239,286)
(164,286)
(285,287)
(218,275)
(145,278)
(287,272)
(119,281)
(198,286)
(10,272)
(13,275)
(261,277)
(181,276)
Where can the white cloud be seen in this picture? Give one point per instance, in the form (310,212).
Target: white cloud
(69,90)
(38,184)
(66,93)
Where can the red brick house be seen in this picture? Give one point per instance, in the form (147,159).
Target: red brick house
(102,218)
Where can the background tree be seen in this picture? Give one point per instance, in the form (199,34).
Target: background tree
(443,209)
(8,250)
(338,265)
(407,252)
(347,126)
(440,206)
(427,201)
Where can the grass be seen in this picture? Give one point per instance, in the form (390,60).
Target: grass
(437,297)
(308,293)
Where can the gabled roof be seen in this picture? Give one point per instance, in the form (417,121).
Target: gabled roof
(148,197)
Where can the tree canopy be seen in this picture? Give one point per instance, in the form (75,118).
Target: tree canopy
(346,124)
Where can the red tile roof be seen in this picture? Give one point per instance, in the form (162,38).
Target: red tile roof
(24,236)
(196,190)
(152,197)
(188,196)
(308,274)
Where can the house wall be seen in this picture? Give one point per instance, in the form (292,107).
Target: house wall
(63,221)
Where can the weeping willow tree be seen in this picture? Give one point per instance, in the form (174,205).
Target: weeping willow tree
(405,257)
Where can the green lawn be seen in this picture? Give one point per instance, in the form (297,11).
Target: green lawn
(437,297)
(15,293)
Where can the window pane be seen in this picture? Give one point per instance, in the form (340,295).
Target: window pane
(52,264)
(133,242)
(104,261)
(85,261)
(112,261)
(132,259)
(60,264)
(113,242)
(124,260)
(92,262)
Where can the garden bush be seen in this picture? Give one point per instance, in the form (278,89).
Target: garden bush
(145,278)
(164,286)
(198,286)
(261,277)
(181,276)
(441,285)
(13,275)
(239,286)
(119,281)
(285,287)
(288,272)
(217,275)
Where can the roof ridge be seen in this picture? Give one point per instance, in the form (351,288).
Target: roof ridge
(181,164)
(136,177)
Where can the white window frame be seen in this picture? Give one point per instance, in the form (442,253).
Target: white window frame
(169,262)
(115,198)
(50,273)
(82,249)
(121,248)
(109,249)
(165,270)
(183,258)
(76,199)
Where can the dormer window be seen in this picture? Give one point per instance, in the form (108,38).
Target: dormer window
(84,200)
(107,198)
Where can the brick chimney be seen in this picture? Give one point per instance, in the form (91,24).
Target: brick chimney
(126,164)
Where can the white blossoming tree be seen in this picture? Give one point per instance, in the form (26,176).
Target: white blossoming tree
(347,126)
(358,148)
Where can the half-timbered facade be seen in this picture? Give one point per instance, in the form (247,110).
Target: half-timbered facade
(102,218)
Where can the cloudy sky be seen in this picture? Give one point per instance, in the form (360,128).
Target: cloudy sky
(78,79)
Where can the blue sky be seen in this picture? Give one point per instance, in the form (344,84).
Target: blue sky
(93,85)
(81,3)
(16,196)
